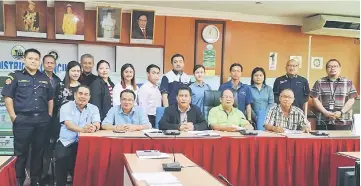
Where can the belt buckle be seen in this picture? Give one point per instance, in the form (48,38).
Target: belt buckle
(36,114)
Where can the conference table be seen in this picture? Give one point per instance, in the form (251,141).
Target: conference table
(341,159)
(266,159)
(190,175)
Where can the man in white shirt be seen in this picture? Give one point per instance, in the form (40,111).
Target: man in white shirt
(149,96)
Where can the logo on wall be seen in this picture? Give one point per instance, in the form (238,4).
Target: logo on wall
(54,54)
(17,52)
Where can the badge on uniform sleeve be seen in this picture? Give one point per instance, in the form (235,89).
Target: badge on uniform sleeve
(8,81)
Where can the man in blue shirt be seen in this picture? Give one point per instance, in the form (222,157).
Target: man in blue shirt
(125,117)
(244,97)
(76,117)
(172,80)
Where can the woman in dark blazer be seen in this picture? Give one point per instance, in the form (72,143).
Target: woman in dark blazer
(101,89)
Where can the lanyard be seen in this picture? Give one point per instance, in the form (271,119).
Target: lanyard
(334,90)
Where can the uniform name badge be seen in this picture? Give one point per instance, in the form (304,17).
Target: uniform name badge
(332,104)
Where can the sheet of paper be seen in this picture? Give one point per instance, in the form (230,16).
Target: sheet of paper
(292,131)
(156,178)
(161,156)
(150,130)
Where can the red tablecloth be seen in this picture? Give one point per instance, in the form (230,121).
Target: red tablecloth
(100,162)
(338,161)
(309,160)
(245,161)
(7,173)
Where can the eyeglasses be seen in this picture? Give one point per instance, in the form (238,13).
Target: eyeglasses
(294,66)
(334,66)
(227,97)
(127,100)
(288,97)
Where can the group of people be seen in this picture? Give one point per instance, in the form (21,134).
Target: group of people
(43,107)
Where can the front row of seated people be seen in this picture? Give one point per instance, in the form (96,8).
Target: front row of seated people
(79,116)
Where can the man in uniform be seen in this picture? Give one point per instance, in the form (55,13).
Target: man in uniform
(29,101)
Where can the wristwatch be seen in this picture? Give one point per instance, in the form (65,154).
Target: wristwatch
(342,113)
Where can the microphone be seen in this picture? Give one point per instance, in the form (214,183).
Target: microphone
(174,166)
(224,179)
(320,133)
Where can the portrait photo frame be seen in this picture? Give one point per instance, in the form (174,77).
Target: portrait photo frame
(69,20)
(142,26)
(108,28)
(31,18)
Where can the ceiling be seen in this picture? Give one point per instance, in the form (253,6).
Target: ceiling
(266,8)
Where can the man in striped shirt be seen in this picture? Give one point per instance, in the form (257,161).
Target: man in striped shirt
(285,115)
(333,96)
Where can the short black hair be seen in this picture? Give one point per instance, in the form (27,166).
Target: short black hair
(31,50)
(235,65)
(225,90)
(174,56)
(152,66)
(48,55)
(184,88)
(82,86)
(142,14)
(101,62)
(257,69)
(339,64)
(127,91)
(196,67)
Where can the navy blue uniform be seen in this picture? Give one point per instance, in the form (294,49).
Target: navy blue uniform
(30,94)
(299,86)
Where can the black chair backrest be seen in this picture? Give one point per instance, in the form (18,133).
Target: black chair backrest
(211,99)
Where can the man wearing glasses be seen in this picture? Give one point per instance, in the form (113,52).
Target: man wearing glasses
(333,96)
(125,117)
(298,84)
(285,116)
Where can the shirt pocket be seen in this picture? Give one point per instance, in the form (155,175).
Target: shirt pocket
(24,89)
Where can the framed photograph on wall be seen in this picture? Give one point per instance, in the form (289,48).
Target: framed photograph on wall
(69,20)
(108,24)
(2,18)
(31,18)
(142,26)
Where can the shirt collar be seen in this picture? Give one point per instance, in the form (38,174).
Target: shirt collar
(329,79)
(177,72)
(150,84)
(254,85)
(292,76)
(77,107)
(200,85)
(220,107)
(122,112)
(24,71)
(186,110)
(87,74)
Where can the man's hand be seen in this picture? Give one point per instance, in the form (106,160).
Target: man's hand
(278,129)
(230,128)
(120,128)
(12,118)
(92,128)
(87,128)
(330,115)
(337,114)
(307,130)
(186,127)
(131,128)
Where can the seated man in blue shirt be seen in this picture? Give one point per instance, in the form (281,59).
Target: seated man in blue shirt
(125,117)
(76,117)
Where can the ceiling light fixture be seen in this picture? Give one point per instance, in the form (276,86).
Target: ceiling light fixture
(258,2)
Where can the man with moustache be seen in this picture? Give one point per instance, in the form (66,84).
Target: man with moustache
(333,97)
(78,116)
(149,96)
(172,80)
(87,63)
(49,64)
